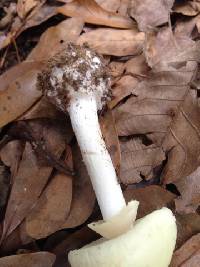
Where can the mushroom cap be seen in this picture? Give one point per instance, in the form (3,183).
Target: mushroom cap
(74,72)
(150,243)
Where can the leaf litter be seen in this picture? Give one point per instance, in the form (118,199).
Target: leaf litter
(150,126)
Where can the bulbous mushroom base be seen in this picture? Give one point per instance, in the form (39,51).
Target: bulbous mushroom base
(149,244)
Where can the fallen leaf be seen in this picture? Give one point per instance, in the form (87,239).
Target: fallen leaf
(189,189)
(187,8)
(116,68)
(193,261)
(52,209)
(122,88)
(187,225)
(91,12)
(39,259)
(56,38)
(151,198)
(112,5)
(137,66)
(43,109)
(185,28)
(138,160)
(186,252)
(114,42)
(11,155)
(31,178)
(83,197)
(75,240)
(164,46)
(164,104)
(38,15)
(149,14)
(109,133)
(4,186)
(24,7)
(22,85)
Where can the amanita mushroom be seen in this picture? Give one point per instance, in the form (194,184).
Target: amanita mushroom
(76,81)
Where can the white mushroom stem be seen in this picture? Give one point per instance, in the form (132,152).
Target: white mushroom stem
(84,119)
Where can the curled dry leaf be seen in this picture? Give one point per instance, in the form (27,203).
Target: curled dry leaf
(187,8)
(24,7)
(114,42)
(164,104)
(185,254)
(20,81)
(189,188)
(31,179)
(138,160)
(149,14)
(151,198)
(39,259)
(38,14)
(93,13)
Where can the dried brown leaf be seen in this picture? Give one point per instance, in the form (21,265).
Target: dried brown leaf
(93,13)
(112,5)
(122,89)
(164,104)
(21,86)
(114,42)
(52,209)
(149,14)
(187,8)
(111,138)
(4,186)
(20,82)
(188,225)
(75,240)
(193,261)
(39,259)
(11,155)
(183,255)
(83,197)
(151,198)
(56,38)
(24,7)
(43,109)
(139,160)
(164,46)
(38,15)
(31,178)
(189,188)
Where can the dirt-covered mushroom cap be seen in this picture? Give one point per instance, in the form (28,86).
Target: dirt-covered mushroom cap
(75,71)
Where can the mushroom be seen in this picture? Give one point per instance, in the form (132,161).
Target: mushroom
(76,81)
(150,243)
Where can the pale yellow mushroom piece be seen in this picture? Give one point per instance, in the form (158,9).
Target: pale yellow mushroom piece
(150,243)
